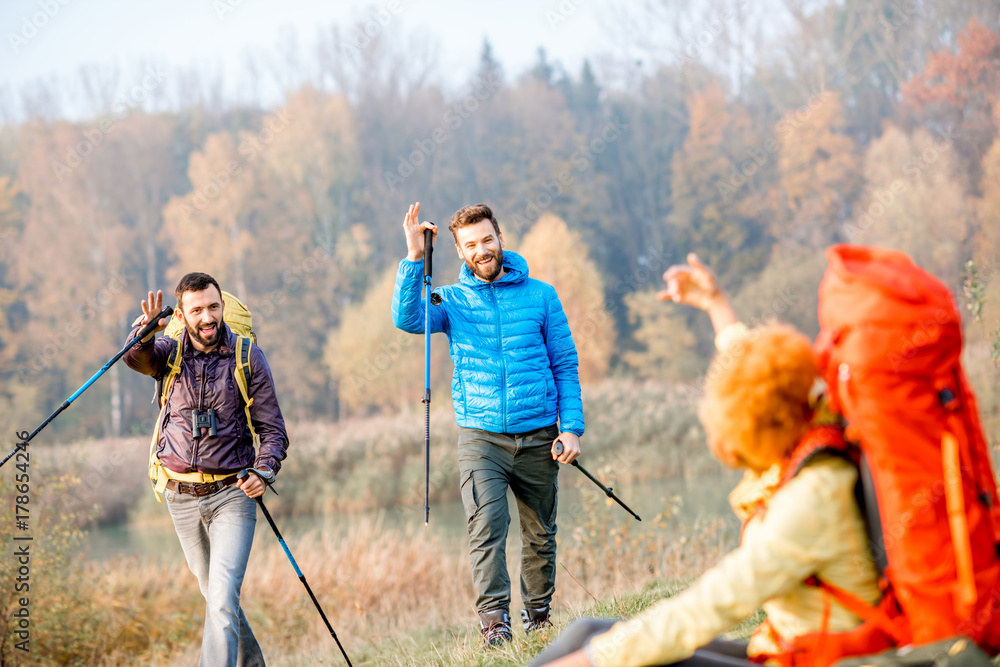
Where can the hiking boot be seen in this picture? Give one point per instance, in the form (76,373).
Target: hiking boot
(495,627)
(535,619)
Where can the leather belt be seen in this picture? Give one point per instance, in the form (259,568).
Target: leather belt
(192,489)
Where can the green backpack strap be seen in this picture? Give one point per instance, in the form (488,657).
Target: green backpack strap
(243,346)
(173,369)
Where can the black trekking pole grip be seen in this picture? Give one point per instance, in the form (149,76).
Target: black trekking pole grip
(167,312)
(428,251)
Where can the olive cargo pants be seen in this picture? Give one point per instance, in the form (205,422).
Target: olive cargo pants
(488,463)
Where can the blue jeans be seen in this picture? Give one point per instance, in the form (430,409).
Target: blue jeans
(216,533)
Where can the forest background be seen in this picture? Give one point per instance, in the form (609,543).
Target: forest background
(864,122)
(753,141)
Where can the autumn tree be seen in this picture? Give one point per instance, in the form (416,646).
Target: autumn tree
(210,226)
(818,171)
(17,396)
(73,269)
(666,347)
(786,290)
(956,93)
(915,201)
(377,366)
(557,256)
(988,206)
(309,257)
(712,181)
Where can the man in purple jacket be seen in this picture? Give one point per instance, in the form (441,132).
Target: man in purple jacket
(215,517)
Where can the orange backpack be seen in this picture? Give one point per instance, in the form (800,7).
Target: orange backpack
(889,349)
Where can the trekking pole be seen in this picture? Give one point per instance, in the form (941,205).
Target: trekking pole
(557,447)
(428,299)
(146,330)
(260,502)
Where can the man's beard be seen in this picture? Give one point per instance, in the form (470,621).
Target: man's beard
(196,335)
(493,272)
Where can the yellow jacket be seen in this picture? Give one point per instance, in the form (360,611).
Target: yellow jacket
(810,526)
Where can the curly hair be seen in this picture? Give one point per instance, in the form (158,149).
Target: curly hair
(757,394)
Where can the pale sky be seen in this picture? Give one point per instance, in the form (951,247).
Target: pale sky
(216,34)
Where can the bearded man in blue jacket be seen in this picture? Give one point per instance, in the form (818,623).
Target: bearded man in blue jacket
(516,391)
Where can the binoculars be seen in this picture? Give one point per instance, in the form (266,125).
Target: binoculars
(200,420)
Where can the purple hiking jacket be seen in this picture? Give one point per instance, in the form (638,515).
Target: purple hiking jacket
(206,381)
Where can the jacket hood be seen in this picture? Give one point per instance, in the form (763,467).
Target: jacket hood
(517,270)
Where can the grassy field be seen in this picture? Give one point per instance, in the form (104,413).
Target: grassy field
(394,595)
(459,647)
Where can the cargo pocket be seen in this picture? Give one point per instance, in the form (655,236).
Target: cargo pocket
(470,500)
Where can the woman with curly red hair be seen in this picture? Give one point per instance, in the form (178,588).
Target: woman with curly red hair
(763,412)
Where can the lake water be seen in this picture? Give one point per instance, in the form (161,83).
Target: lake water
(699,498)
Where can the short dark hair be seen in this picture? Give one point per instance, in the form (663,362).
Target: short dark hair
(194,282)
(470,215)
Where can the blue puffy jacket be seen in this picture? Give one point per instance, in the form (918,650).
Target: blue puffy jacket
(515,362)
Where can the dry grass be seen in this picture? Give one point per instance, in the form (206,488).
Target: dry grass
(394,595)
(391,594)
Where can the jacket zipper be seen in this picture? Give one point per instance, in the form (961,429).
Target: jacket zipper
(503,363)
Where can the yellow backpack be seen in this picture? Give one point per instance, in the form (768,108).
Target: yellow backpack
(237,316)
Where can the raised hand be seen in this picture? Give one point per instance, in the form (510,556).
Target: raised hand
(694,284)
(414,230)
(150,309)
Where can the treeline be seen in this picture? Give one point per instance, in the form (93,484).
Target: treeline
(871,122)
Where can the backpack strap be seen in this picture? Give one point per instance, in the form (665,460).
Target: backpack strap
(819,441)
(157,473)
(243,371)
(958,523)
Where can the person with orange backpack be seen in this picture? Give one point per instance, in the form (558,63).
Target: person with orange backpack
(803,553)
